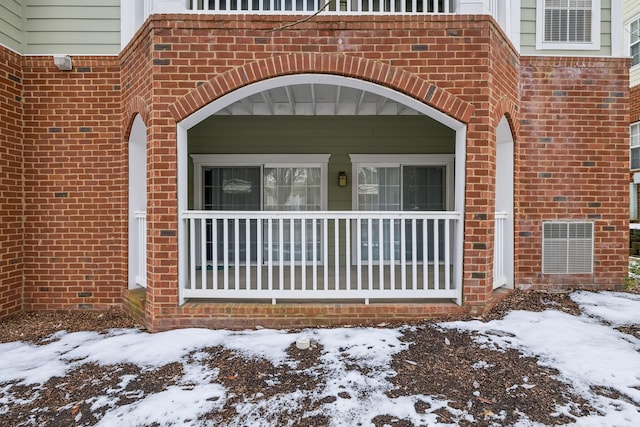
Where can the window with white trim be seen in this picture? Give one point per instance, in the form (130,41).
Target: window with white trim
(401,183)
(634,41)
(568,24)
(635,145)
(264,182)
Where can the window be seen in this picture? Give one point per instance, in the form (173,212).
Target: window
(260,183)
(635,145)
(634,42)
(401,183)
(568,24)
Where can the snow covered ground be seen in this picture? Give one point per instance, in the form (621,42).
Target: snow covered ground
(587,350)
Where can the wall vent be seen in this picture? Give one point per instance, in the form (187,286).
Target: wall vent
(567,247)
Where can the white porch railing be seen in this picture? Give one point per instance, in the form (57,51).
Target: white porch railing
(429,7)
(499,271)
(321,255)
(141,229)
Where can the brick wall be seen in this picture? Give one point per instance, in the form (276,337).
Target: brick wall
(75,185)
(11,185)
(448,62)
(574,156)
(569,118)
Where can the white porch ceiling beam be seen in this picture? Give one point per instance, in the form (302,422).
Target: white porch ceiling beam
(269,101)
(337,103)
(313,99)
(292,101)
(359,103)
(380,103)
(247,105)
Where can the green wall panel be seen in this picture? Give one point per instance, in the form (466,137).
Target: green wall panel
(335,135)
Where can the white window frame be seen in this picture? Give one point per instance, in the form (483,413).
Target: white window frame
(201,161)
(541,44)
(399,160)
(628,40)
(634,141)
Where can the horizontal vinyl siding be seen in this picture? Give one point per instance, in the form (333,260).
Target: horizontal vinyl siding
(632,11)
(72,27)
(11,24)
(335,135)
(528,32)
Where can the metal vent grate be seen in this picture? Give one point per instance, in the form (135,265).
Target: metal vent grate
(567,247)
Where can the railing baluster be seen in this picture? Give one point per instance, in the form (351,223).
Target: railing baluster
(203,252)
(259,249)
(292,254)
(359,252)
(436,254)
(214,251)
(280,254)
(381,253)
(414,255)
(325,258)
(336,226)
(225,265)
(236,261)
(303,251)
(314,251)
(403,255)
(270,252)
(347,254)
(447,256)
(392,253)
(247,253)
(192,249)
(370,253)
(425,255)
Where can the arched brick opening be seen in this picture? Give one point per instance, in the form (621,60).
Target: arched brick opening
(347,66)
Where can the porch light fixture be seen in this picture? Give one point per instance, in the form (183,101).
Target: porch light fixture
(342,179)
(63,62)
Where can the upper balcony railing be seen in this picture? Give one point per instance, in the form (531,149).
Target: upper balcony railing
(325,6)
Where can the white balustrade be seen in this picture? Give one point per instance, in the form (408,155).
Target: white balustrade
(338,255)
(141,232)
(428,7)
(499,272)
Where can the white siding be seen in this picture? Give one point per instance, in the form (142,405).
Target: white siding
(528,32)
(72,27)
(11,24)
(631,11)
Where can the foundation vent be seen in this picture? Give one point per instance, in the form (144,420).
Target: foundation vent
(567,247)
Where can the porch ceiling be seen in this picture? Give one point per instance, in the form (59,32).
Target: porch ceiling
(314,99)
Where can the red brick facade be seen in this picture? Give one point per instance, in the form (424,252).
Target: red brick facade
(75,185)
(574,166)
(567,115)
(11,185)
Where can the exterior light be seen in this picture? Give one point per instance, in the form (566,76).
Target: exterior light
(342,179)
(63,62)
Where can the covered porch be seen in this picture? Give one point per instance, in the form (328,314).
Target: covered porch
(311,188)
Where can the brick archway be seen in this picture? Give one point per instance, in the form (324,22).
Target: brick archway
(346,66)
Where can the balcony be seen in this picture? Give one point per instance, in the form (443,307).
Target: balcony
(325,6)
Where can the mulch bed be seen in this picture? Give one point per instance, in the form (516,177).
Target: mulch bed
(438,362)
